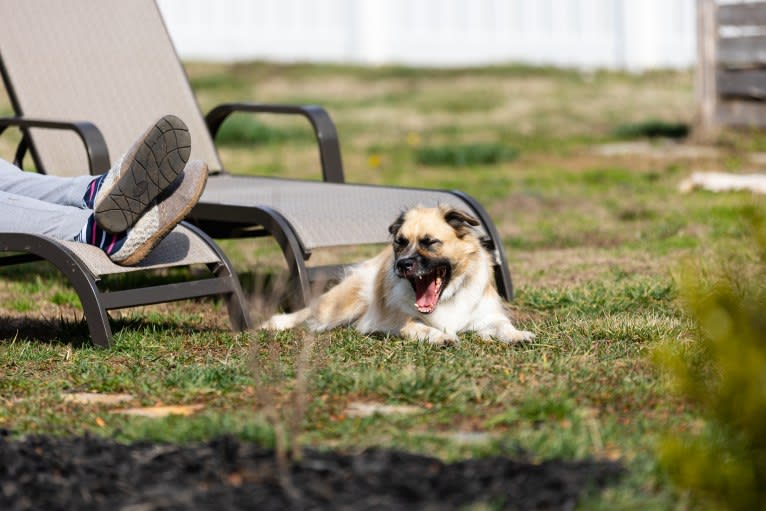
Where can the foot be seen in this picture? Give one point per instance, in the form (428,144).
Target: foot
(150,166)
(164,214)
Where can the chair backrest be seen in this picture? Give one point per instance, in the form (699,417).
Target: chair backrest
(110,62)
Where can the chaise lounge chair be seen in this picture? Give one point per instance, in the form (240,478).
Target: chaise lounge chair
(112,63)
(85,266)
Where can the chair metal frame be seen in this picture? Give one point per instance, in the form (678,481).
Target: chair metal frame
(25,248)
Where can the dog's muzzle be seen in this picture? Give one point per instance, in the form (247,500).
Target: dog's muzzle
(428,278)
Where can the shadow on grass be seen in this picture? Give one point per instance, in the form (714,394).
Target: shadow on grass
(76,333)
(48,331)
(266,292)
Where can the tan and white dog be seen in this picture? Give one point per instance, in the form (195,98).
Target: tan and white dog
(436,283)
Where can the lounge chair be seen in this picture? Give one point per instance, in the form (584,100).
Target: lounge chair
(112,63)
(85,266)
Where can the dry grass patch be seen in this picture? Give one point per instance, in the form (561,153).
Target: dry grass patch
(572,267)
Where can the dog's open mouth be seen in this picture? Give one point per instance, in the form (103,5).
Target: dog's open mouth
(428,288)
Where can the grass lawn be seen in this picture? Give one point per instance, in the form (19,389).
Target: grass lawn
(594,228)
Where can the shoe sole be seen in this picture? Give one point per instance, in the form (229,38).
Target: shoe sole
(158,161)
(197,174)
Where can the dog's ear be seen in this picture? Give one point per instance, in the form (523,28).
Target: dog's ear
(460,221)
(394,227)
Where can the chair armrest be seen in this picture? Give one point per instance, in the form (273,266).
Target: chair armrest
(324,129)
(95,145)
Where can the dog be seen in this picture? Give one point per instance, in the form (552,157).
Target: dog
(432,284)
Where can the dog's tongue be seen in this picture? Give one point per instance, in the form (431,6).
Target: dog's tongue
(426,293)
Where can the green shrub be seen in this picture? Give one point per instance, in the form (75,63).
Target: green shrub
(651,129)
(465,155)
(724,464)
(247,130)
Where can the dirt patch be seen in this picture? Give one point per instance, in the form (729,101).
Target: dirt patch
(569,267)
(96,473)
(662,150)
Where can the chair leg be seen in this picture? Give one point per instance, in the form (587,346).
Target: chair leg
(79,276)
(97,318)
(238,314)
(90,297)
(299,285)
(502,273)
(236,304)
(272,223)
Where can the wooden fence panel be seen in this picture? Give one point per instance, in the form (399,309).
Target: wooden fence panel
(741,15)
(731,71)
(749,83)
(742,52)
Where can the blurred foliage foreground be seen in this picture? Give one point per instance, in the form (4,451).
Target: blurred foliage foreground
(723,464)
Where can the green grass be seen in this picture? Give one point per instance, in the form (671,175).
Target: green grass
(242,130)
(464,155)
(595,245)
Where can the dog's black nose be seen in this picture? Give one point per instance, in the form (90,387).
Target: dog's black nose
(405,265)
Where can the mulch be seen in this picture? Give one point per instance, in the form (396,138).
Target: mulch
(87,472)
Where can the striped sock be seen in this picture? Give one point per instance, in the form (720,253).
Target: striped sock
(92,234)
(89,199)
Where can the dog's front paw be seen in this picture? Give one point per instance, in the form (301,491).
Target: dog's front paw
(418,331)
(507,333)
(278,322)
(269,324)
(438,338)
(516,336)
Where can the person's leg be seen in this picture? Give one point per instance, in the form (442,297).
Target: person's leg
(20,214)
(66,191)
(120,196)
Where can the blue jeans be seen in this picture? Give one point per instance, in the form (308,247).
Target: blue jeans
(41,204)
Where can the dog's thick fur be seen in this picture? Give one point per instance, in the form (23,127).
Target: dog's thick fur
(436,251)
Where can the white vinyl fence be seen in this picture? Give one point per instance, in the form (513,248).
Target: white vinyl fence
(617,34)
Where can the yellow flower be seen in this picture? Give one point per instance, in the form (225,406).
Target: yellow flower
(374,161)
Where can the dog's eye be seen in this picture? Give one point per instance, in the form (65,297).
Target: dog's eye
(401,242)
(429,242)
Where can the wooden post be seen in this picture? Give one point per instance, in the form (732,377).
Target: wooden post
(705,73)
